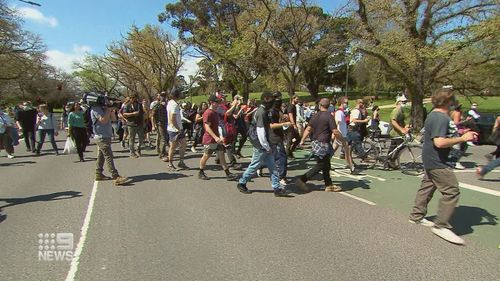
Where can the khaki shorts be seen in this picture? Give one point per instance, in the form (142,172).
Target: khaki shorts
(213,147)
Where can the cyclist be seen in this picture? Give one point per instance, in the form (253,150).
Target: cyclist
(399,126)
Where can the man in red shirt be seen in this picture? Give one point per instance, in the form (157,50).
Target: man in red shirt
(212,141)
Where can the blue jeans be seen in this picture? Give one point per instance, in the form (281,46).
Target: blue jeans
(41,139)
(281,159)
(492,165)
(262,158)
(356,141)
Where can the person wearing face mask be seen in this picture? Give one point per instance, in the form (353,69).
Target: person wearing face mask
(6,124)
(262,150)
(399,126)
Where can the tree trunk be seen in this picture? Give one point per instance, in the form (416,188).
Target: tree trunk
(246,90)
(417,93)
(291,86)
(313,88)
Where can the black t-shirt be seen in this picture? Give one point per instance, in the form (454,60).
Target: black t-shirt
(438,124)
(275,135)
(293,110)
(322,124)
(27,118)
(262,119)
(134,120)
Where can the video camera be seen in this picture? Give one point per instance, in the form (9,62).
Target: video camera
(97,99)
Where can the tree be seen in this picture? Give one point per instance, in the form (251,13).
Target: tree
(230,33)
(419,41)
(97,75)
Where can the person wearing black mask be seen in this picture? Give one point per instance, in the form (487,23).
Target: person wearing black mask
(262,150)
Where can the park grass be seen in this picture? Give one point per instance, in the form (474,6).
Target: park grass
(485,105)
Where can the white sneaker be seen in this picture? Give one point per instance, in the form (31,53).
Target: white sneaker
(459,166)
(424,222)
(10,156)
(193,149)
(469,143)
(283,182)
(448,235)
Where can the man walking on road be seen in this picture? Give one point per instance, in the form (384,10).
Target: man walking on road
(103,132)
(293,137)
(323,129)
(212,141)
(262,152)
(134,113)
(26,119)
(438,140)
(159,120)
(176,134)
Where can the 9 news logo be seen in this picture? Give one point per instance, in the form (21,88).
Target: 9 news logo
(55,246)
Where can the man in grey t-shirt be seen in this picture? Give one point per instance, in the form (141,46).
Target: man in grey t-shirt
(438,175)
(101,123)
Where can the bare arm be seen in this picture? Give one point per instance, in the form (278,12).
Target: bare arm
(211,133)
(441,142)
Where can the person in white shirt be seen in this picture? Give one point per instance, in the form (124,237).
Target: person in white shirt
(340,120)
(6,124)
(176,134)
(46,125)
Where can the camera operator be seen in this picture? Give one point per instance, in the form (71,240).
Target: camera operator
(103,132)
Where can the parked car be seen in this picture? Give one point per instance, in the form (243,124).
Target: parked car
(485,124)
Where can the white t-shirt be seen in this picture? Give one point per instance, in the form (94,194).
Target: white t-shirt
(355,114)
(174,108)
(341,124)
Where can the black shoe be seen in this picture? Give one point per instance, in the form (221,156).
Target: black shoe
(182,165)
(202,176)
(231,177)
(239,156)
(82,160)
(243,188)
(280,192)
(217,161)
(171,167)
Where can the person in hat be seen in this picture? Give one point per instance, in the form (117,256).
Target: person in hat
(399,125)
(212,141)
(262,150)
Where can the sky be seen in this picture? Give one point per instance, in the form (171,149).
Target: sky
(72,28)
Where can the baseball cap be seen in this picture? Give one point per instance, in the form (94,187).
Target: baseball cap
(220,95)
(402,98)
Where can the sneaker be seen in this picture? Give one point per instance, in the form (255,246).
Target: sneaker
(243,188)
(459,166)
(193,149)
(448,235)
(478,173)
(283,182)
(203,176)
(138,153)
(239,155)
(423,222)
(280,192)
(134,156)
(10,156)
(217,161)
(260,173)
(231,177)
(182,165)
(469,143)
(101,177)
(302,185)
(120,180)
(333,188)
(237,166)
(171,167)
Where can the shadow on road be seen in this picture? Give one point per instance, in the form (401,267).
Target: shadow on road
(156,177)
(38,198)
(466,217)
(19,163)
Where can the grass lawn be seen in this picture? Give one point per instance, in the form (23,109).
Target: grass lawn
(485,105)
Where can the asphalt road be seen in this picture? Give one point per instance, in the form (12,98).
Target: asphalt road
(171,226)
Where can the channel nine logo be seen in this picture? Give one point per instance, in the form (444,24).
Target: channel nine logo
(55,246)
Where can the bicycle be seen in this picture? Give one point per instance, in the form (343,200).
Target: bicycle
(407,156)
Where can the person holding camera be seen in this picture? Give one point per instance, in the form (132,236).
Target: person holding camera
(103,132)
(176,134)
(134,113)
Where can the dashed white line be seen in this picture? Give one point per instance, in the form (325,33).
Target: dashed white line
(83,236)
(358,198)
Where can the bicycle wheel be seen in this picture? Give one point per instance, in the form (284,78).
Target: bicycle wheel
(372,150)
(410,160)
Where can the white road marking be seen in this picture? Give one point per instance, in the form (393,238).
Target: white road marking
(83,235)
(479,189)
(357,198)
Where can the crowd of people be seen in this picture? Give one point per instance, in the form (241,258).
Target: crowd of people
(222,126)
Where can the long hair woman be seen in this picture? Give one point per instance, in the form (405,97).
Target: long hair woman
(77,129)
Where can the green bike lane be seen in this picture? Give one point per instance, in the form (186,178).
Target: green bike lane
(475,218)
